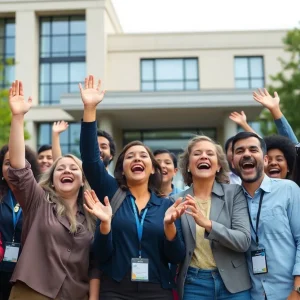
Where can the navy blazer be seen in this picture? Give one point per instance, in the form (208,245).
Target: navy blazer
(7,229)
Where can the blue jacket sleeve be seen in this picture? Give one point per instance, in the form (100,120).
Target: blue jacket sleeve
(103,245)
(100,181)
(175,249)
(285,129)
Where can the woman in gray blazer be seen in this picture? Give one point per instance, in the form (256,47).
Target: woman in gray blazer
(216,227)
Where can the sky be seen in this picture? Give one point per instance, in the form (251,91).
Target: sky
(138,16)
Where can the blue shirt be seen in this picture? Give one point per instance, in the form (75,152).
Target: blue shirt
(115,250)
(285,129)
(175,191)
(279,235)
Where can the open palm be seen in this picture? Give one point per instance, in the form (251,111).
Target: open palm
(96,208)
(17,103)
(174,212)
(263,97)
(91,95)
(238,118)
(60,126)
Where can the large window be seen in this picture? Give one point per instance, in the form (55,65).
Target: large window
(169,74)
(62,56)
(69,139)
(173,140)
(7,51)
(249,72)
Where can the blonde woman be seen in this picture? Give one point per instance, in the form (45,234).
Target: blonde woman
(215,227)
(57,231)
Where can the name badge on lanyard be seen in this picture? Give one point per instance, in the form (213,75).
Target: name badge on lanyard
(139,266)
(258,257)
(12,249)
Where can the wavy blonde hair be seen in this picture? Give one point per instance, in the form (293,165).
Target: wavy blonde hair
(46,182)
(184,159)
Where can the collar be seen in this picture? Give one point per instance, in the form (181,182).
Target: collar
(265,186)
(217,189)
(154,199)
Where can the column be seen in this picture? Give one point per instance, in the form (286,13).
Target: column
(31,128)
(230,128)
(27,55)
(96,45)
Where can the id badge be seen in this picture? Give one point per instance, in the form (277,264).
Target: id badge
(140,269)
(259,261)
(11,252)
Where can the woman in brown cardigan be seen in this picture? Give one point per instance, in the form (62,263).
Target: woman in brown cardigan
(57,231)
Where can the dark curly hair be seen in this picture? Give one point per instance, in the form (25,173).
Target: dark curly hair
(286,146)
(155,180)
(112,144)
(30,156)
(296,171)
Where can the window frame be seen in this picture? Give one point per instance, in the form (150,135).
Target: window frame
(184,80)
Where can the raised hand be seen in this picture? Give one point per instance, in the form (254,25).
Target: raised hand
(59,127)
(18,105)
(91,95)
(174,212)
(269,102)
(96,208)
(238,118)
(195,212)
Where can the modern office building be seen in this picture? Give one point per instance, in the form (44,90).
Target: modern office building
(162,88)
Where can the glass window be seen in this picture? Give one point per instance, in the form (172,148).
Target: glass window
(7,51)
(69,139)
(169,74)
(249,72)
(62,56)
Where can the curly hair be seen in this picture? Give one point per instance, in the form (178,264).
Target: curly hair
(30,156)
(155,180)
(184,158)
(296,171)
(46,182)
(286,146)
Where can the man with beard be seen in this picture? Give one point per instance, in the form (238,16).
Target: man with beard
(107,147)
(274,211)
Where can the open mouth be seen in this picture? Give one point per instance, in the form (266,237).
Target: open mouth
(248,166)
(274,172)
(164,172)
(203,166)
(137,169)
(66,180)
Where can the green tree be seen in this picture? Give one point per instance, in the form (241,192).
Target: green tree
(5,115)
(287,85)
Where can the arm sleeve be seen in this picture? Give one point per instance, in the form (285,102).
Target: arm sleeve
(100,181)
(26,190)
(285,129)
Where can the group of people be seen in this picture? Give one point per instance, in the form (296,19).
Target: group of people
(72,230)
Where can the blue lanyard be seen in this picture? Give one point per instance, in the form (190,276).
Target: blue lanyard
(16,216)
(139,225)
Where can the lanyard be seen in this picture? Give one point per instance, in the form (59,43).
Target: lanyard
(139,225)
(257,217)
(16,215)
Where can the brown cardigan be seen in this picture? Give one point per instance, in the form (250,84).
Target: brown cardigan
(53,261)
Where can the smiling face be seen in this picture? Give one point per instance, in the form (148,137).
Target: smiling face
(277,165)
(45,160)
(67,177)
(137,165)
(104,147)
(167,166)
(249,160)
(203,161)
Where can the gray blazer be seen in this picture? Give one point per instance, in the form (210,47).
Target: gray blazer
(229,239)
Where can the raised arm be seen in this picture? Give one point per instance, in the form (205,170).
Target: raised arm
(272,104)
(26,190)
(241,120)
(57,129)
(94,169)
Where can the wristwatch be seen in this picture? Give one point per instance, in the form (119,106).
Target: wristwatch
(297,289)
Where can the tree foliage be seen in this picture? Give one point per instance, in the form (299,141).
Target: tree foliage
(287,85)
(5,115)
